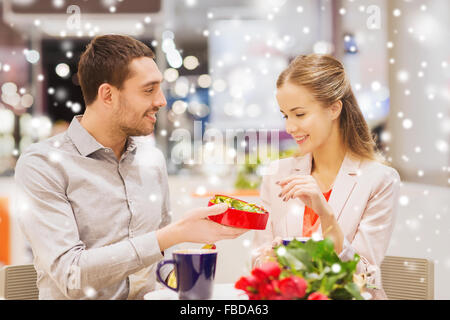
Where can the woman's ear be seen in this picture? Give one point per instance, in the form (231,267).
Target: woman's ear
(105,94)
(336,109)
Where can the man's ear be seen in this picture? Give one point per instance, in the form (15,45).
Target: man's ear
(336,109)
(105,93)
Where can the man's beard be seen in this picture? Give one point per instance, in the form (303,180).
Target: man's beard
(130,128)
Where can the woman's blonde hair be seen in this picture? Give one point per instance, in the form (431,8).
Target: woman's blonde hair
(325,77)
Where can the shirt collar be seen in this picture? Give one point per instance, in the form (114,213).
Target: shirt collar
(130,145)
(86,143)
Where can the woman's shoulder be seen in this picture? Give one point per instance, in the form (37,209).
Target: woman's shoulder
(379,171)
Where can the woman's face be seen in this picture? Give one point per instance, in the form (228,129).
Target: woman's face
(307,121)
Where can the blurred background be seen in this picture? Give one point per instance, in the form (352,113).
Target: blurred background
(220,60)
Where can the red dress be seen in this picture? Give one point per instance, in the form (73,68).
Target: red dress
(311,221)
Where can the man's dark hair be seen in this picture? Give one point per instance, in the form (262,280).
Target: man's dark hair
(106,60)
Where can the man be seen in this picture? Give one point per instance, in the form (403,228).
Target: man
(96,200)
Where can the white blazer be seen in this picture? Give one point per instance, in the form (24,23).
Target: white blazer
(364,200)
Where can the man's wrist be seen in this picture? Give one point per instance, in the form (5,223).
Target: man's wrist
(168,236)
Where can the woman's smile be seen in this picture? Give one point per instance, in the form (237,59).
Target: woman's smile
(301,139)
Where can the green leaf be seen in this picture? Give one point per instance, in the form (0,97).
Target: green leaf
(350,267)
(291,261)
(340,294)
(331,281)
(325,252)
(314,285)
(314,262)
(353,289)
(302,255)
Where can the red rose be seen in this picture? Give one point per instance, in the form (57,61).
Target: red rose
(246,283)
(293,287)
(269,290)
(275,294)
(266,290)
(254,296)
(268,270)
(317,296)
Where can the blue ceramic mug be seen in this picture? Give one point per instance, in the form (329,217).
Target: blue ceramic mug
(195,270)
(287,240)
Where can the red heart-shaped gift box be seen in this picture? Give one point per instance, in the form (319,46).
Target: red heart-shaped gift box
(239,218)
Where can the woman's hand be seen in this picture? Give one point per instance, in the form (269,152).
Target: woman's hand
(305,188)
(266,253)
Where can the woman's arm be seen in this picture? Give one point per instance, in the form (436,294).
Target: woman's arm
(332,230)
(305,188)
(375,229)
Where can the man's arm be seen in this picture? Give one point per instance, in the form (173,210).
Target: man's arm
(47,220)
(49,224)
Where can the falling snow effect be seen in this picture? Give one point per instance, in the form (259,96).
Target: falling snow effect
(423,218)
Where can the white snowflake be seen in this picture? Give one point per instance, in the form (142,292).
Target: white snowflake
(55,156)
(441,146)
(201,190)
(407,124)
(403,201)
(336,268)
(316,236)
(90,292)
(281,251)
(246,243)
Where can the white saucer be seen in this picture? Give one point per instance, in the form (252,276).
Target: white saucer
(222,291)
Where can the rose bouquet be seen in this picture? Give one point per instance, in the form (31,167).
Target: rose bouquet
(306,271)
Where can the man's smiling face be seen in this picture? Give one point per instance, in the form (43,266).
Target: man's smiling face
(140,98)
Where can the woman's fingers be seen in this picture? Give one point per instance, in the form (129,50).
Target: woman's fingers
(298,191)
(287,189)
(291,191)
(276,242)
(268,252)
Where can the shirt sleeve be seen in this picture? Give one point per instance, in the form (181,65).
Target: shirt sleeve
(375,229)
(166,218)
(166,213)
(48,222)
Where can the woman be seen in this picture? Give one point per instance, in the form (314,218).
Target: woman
(336,186)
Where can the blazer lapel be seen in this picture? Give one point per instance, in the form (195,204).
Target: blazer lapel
(344,184)
(303,165)
(295,208)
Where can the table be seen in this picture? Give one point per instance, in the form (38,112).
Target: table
(221,291)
